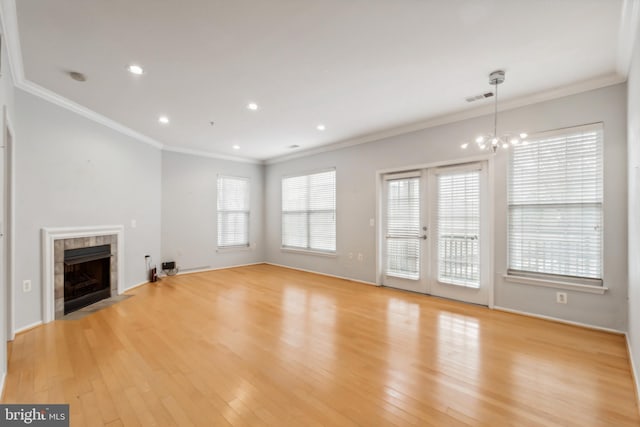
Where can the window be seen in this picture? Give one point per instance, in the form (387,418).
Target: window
(458,220)
(309,212)
(233,212)
(403,226)
(555,205)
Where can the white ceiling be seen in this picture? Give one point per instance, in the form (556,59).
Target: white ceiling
(357,66)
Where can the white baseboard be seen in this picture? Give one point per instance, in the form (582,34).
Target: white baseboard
(198,270)
(135,286)
(556,319)
(634,371)
(321,274)
(26,328)
(205,269)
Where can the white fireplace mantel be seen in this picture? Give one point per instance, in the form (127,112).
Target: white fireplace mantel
(50,235)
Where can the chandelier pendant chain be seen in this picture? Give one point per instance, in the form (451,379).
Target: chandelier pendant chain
(494,141)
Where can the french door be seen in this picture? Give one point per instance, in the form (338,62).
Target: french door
(435,238)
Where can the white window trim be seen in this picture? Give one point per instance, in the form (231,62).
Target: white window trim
(239,248)
(549,281)
(310,172)
(291,249)
(234,248)
(591,289)
(309,252)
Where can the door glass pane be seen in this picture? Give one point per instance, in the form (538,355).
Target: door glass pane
(403,228)
(458,223)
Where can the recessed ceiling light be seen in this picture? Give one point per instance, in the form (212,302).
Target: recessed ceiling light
(252,106)
(236,147)
(163,119)
(464,146)
(321,127)
(135,69)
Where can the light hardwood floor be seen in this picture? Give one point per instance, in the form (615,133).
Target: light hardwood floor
(263,345)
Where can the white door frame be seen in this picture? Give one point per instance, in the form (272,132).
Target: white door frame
(9,221)
(379,177)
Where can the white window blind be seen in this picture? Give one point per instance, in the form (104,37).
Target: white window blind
(555,204)
(233,211)
(403,227)
(458,223)
(309,212)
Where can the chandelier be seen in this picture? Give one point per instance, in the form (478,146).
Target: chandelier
(493,141)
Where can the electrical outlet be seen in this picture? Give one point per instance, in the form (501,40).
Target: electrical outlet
(350,255)
(26,286)
(561,297)
(134,223)
(360,257)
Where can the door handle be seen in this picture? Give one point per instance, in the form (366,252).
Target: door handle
(389,236)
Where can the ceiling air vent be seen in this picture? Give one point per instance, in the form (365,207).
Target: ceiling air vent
(477,97)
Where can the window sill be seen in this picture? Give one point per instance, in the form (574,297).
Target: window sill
(590,289)
(234,249)
(309,252)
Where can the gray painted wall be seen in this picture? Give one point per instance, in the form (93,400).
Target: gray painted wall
(189,215)
(633,126)
(356,201)
(71,171)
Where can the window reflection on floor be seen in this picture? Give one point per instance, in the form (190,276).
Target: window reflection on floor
(459,343)
(459,351)
(402,328)
(308,324)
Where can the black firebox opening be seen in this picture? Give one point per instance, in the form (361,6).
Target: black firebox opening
(87,277)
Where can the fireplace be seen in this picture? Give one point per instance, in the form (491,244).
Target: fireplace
(86,276)
(81,265)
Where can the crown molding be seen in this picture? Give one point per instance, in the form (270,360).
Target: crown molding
(63,102)
(202,153)
(560,92)
(628,34)
(9,22)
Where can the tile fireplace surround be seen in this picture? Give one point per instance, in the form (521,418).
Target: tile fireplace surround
(56,240)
